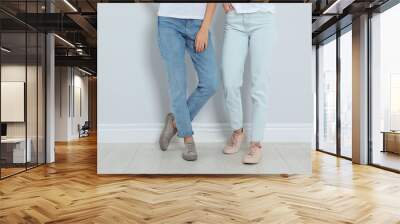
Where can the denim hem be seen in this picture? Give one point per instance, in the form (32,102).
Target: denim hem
(235,128)
(256,139)
(185,134)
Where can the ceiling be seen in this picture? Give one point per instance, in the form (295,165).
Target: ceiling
(75,22)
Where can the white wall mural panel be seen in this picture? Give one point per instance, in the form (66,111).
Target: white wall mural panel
(133,97)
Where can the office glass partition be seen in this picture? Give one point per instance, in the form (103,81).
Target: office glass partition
(31,100)
(40,7)
(327,96)
(346,93)
(23,89)
(14,151)
(41,97)
(32,83)
(385,89)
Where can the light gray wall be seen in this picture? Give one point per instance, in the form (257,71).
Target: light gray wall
(62,80)
(66,121)
(132,84)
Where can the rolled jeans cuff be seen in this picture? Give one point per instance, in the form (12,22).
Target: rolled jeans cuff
(182,134)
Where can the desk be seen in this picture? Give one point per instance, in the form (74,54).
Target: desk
(16,153)
(391,141)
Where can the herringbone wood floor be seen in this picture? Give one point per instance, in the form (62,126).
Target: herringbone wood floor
(70,191)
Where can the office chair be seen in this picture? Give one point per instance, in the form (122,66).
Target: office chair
(84,130)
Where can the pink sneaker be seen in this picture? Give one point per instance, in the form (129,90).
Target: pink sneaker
(254,154)
(234,143)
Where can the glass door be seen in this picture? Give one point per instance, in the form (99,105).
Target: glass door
(327,96)
(385,90)
(346,76)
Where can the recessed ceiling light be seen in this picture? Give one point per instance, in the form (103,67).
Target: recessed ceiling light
(5,50)
(84,71)
(64,40)
(70,5)
(338,6)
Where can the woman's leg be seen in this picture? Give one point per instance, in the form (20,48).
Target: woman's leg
(172,48)
(261,42)
(205,64)
(234,54)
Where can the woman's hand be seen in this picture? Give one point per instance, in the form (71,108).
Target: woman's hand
(228,7)
(201,41)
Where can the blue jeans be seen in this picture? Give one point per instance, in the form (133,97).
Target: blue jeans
(175,37)
(253,34)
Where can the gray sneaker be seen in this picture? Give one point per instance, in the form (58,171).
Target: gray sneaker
(168,132)
(189,153)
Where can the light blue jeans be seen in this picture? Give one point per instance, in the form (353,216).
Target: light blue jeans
(253,33)
(175,37)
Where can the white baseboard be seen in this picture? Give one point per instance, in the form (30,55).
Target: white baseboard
(217,132)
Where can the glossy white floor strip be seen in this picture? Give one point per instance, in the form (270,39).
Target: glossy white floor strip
(134,158)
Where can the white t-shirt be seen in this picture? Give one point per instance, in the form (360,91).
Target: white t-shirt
(183,10)
(253,7)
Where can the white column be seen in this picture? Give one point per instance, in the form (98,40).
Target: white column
(50,92)
(50,100)
(360,90)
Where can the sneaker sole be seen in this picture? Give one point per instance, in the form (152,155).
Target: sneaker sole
(230,153)
(167,122)
(189,159)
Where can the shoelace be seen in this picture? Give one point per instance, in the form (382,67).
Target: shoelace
(191,148)
(234,139)
(253,150)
